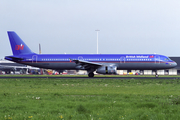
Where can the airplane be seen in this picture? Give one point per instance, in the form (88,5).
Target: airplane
(101,63)
(9,67)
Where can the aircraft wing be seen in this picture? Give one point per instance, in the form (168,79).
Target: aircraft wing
(86,64)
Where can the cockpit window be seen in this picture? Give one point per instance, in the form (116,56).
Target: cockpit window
(167,59)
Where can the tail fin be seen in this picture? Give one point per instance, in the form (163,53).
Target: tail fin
(17,45)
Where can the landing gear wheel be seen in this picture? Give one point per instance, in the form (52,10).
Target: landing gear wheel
(7,72)
(156,76)
(91,75)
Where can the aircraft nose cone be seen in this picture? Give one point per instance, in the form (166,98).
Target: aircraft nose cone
(174,64)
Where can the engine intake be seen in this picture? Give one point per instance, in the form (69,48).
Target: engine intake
(107,70)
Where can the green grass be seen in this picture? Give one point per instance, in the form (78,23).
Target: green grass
(105,99)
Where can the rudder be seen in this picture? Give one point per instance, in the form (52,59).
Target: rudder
(17,45)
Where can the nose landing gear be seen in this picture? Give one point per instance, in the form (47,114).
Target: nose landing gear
(156,75)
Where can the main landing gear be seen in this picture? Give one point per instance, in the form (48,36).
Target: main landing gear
(91,74)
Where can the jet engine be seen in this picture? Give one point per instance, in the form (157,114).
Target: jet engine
(107,70)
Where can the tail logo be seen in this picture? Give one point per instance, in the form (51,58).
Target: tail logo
(19,47)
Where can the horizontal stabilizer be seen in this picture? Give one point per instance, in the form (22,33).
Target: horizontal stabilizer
(14,58)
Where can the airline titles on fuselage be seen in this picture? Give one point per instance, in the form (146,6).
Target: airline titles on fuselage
(138,56)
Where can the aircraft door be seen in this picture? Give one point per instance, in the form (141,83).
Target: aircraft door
(157,59)
(34,59)
(122,59)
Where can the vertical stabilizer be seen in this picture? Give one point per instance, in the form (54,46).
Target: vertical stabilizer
(17,45)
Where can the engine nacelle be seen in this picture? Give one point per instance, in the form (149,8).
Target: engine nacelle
(107,70)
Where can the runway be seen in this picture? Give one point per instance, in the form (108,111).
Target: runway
(15,77)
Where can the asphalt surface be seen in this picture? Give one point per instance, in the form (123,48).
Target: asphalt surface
(15,77)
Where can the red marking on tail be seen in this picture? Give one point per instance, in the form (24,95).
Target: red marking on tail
(19,47)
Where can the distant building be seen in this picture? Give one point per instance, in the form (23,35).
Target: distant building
(177,68)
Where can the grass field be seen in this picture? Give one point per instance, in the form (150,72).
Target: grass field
(91,99)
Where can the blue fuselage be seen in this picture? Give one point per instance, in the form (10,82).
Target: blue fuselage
(121,61)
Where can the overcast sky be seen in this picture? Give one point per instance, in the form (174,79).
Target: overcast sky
(68,26)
